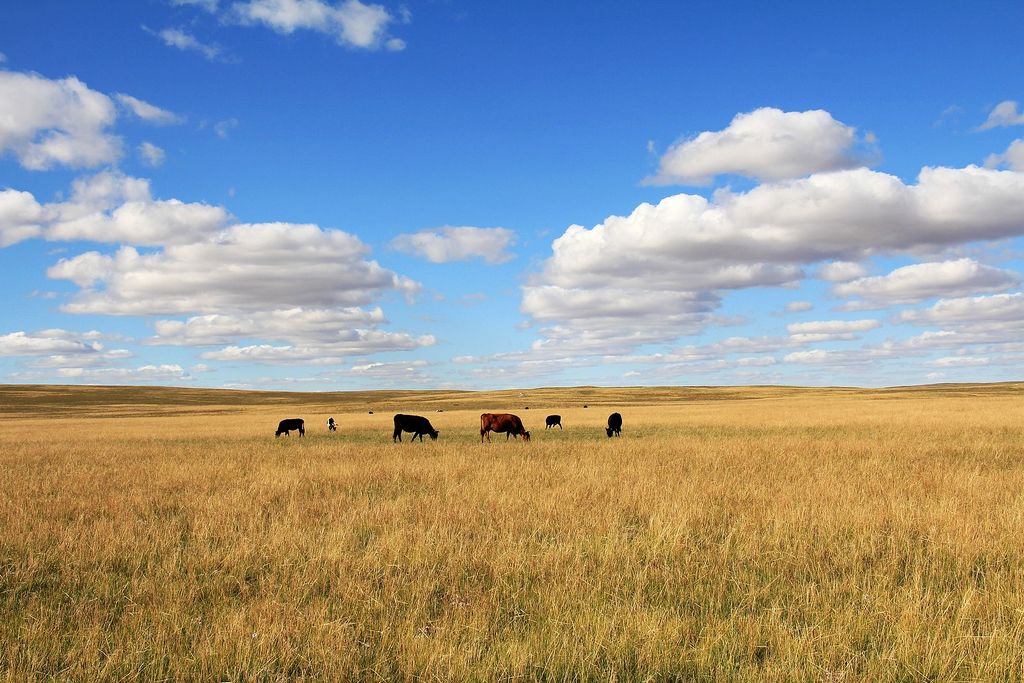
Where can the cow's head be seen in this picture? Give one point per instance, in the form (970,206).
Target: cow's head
(526,436)
(610,431)
(433,435)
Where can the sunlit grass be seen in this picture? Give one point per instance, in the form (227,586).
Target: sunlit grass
(730,534)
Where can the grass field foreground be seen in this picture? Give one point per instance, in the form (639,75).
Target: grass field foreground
(759,534)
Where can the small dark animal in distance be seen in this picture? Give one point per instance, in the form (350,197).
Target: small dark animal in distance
(369,412)
(502,422)
(440,410)
(332,426)
(585,405)
(614,425)
(413,423)
(553,420)
(286,426)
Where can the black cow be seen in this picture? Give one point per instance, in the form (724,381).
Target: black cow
(286,426)
(614,425)
(553,420)
(332,426)
(415,424)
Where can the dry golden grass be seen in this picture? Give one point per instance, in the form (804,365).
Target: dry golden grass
(757,534)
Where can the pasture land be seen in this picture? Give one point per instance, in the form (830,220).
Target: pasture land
(749,534)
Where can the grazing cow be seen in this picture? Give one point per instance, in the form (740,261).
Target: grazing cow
(502,422)
(286,426)
(332,426)
(415,424)
(370,412)
(552,420)
(614,425)
(585,405)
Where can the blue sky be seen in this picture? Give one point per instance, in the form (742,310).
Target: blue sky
(307,194)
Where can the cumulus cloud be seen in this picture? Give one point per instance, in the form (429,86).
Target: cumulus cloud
(146,111)
(115,208)
(687,244)
(55,341)
(247,267)
(292,324)
(46,123)
(1006,113)
(151,155)
(978,309)
(182,40)
(1012,158)
(830,330)
(921,281)
(767,144)
(841,271)
(448,244)
(21,217)
(351,23)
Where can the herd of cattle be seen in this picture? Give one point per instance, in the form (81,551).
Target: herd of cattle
(417,425)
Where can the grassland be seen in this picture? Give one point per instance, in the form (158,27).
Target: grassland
(757,534)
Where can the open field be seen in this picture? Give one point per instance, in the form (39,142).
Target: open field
(761,534)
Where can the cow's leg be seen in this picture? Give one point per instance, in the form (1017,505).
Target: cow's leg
(397,436)
(302,431)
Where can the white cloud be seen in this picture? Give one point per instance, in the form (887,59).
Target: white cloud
(144,373)
(960,361)
(47,123)
(351,22)
(247,267)
(767,144)
(829,330)
(841,271)
(1004,114)
(843,358)
(448,244)
(914,283)
(349,343)
(296,325)
(208,5)
(799,306)
(45,342)
(658,256)
(182,40)
(111,207)
(151,155)
(21,217)
(146,111)
(1012,158)
(994,308)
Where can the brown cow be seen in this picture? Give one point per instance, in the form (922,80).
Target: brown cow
(502,422)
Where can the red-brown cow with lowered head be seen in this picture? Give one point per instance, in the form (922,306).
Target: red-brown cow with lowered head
(502,422)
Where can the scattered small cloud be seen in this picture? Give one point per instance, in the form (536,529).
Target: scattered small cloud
(224,128)
(182,40)
(448,244)
(1006,113)
(151,155)
(149,113)
(799,306)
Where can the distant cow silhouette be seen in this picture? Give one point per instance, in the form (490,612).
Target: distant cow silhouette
(502,422)
(614,425)
(415,424)
(332,426)
(287,426)
(552,420)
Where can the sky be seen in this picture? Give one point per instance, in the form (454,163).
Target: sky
(332,195)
